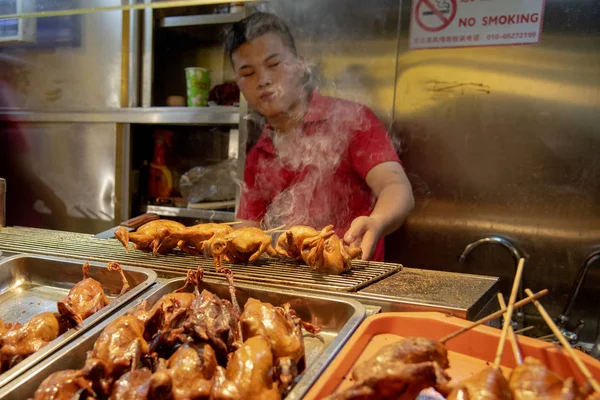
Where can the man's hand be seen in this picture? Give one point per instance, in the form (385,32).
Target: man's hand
(364,232)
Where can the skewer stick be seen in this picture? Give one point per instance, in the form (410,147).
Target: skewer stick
(586,372)
(232,223)
(511,334)
(275,229)
(523,330)
(495,315)
(509,311)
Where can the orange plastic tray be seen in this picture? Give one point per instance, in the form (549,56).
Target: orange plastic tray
(467,353)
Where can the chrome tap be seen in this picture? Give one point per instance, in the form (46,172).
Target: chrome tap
(516,254)
(563,319)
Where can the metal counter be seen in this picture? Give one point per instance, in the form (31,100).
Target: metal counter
(462,295)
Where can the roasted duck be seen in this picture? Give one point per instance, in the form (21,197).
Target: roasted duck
(400,371)
(150,236)
(87,296)
(283,329)
(289,243)
(532,380)
(249,374)
(326,252)
(195,239)
(20,342)
(243,245)
(188,371)
(72,384)
(121,344)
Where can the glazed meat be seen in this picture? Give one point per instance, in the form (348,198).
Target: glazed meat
(121,344)
(195,239)
(243,245)
(19,342)
(249,374)
(488,384)
(400,371)
(326,252)
(532,380)
(150,236)
(189,371)
(87,296)
(74,384)
(289,243)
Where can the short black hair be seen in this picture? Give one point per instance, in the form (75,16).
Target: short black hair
(255,25)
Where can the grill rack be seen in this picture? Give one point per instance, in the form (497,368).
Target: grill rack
(265,270)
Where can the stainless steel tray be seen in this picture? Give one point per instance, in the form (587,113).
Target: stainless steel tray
(339,318)
(31,284)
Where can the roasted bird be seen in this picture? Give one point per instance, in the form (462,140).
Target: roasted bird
(20,342)
(72,384)
(188,371)
(140,384)
(249,374)
(283,329)
(170,309)
(195,239)
(243,245)
(326,252)
(214,321)
(400,371)
(121,344)
(87,296)
(289,243)
(150,236)
(488,384)
(532,380)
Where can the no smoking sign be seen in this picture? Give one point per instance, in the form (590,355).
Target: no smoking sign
(470,23)
(435,15)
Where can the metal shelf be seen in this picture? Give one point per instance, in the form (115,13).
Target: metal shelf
(193,20)
(216,115)
(211,215)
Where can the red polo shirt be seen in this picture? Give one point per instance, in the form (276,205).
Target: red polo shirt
(318,177)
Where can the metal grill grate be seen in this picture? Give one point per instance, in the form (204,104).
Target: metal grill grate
(266,270)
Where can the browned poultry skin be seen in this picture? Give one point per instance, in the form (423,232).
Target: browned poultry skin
(142,384)
(243,245)
(488,384)
(192,239)
(87,296)
(400,371)
(190,369)
(213,320)
(149,236)
(121,344)
(326,252)
(65,385)
(22,341)
(289,243)
(532,380)
(249,374)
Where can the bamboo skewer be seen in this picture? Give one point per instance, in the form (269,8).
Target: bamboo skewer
(511,334)
(275,229)
(584,370)
(495,315)
(232,223)
(523,330)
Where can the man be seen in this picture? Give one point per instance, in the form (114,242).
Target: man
(319,160)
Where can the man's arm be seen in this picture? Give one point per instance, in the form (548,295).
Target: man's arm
(395,200)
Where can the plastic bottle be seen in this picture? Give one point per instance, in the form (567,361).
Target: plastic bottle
(160,177)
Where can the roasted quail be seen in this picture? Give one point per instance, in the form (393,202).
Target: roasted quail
(150,236)
(289,243)
(243,245)
(326,252)
(532,380)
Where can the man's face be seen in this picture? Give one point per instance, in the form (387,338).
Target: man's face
(268,74)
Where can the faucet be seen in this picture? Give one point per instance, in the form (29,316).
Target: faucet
(563,319)
(516,254)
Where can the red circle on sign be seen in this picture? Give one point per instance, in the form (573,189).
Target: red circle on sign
(433,9)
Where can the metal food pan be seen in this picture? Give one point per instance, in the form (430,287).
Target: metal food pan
(339,318)
(32,284)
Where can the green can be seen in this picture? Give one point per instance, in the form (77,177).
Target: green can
(198,86)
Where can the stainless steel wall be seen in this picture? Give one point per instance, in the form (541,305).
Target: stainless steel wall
(501,140)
